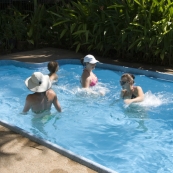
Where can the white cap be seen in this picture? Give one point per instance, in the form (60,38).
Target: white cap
(90,58)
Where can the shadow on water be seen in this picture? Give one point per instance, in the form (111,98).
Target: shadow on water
(139,114)
(39,122)
(134,112)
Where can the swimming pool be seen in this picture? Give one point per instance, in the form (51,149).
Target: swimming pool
(102,129)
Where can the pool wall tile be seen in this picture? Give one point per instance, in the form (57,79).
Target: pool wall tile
(124,69)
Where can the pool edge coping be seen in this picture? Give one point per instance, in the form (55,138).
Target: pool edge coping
(67,153)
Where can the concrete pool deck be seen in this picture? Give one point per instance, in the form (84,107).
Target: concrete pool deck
(19,154)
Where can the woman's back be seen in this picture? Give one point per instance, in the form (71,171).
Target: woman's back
(40,102)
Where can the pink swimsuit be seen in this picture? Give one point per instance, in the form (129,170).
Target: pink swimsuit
(93,82)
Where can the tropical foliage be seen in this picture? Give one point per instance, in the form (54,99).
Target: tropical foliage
(136,30)
(133,30)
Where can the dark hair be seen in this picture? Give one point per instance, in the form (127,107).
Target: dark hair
(52,66)
(130,77)
(82,61)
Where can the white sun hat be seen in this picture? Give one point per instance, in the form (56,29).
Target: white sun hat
(90,58)
(38,82)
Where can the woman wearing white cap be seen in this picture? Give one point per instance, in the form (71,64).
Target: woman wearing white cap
(43,97)
(88,78)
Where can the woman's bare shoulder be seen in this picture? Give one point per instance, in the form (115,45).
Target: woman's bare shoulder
(50,91)
(85,74)
(53,77)
(138,87)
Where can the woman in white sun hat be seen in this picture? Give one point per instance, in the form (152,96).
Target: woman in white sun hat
(43,97)
(88,78)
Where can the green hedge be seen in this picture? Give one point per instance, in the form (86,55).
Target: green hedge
(135,30)
(132,30)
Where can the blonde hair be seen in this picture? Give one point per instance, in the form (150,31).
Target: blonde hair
(130,77)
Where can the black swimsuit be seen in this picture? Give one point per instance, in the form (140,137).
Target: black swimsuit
(133,96)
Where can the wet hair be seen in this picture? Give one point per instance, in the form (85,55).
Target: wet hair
(130,77)
(52,66)
(82,61)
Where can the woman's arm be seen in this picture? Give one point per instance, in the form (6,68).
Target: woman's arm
(139,98)
(53,77)
(123,93)
(56,103)
(85,80)
(27,106)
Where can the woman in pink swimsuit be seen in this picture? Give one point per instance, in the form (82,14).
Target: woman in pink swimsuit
(88,78)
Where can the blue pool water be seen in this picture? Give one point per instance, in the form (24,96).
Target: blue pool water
(136,138)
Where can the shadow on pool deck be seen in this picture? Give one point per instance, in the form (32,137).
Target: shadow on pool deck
(18,154)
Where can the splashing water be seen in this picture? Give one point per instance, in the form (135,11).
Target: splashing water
(95,122)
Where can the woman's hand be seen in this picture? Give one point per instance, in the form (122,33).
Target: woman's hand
(128,101)
(123,93)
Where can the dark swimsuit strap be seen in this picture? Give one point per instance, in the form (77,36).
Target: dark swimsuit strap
(133,96)
(45,96)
